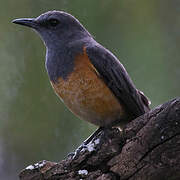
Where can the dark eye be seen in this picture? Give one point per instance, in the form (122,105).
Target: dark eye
(53,22)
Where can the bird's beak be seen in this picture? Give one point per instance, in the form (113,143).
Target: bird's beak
(30,22)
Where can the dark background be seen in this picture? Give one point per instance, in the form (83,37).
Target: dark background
(34,124)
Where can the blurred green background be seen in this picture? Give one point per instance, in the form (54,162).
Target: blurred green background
(34,124)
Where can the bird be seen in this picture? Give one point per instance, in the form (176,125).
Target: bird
(88,78)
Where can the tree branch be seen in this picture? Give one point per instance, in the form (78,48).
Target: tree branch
(148,149)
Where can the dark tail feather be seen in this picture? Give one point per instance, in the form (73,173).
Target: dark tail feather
(145,100)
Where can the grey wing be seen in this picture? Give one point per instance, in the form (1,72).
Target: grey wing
(117,79)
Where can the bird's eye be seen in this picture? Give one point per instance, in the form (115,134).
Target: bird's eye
(53,22)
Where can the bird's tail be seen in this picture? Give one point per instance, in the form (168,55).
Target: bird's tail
(145,101)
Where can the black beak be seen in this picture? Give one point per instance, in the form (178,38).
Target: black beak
(30,22)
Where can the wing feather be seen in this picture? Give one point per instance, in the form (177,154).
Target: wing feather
(117,79)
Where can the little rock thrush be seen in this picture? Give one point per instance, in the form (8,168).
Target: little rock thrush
(87,77)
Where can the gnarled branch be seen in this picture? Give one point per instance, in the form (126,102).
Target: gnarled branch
(147,149)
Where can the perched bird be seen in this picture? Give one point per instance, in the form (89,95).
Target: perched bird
(87,77)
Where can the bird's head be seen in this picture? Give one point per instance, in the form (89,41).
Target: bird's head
(55,27)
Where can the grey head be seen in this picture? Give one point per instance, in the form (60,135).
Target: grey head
(55,28)
(64,37)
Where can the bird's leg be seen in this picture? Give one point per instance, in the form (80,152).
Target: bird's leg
(91,137)
(85,143)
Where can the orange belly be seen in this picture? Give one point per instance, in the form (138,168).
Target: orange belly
(87,96)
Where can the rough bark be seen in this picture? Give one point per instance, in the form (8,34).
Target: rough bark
(147,149)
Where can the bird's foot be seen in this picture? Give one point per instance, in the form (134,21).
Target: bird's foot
(92,142)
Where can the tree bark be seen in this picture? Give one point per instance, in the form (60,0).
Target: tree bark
(147,149)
